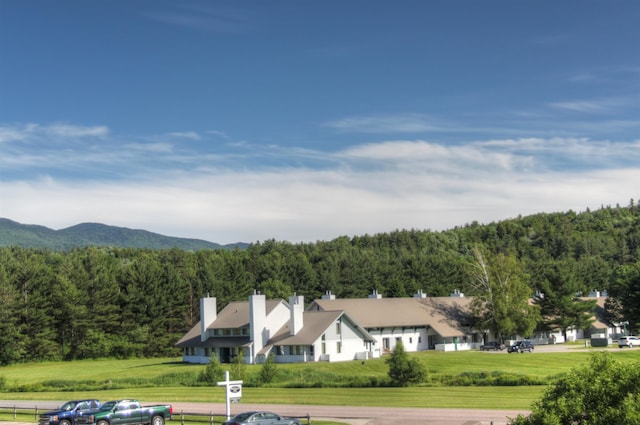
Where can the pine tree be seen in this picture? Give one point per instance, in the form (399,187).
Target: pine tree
(214,371)
(404,370)
(269,370)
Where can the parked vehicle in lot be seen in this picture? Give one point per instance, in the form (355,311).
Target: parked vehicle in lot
(521,347)
(127,412)
(68,412)
(628,341)
(261,418)
(492,346)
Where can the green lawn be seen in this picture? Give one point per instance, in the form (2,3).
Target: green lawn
(447,397)
(542,365)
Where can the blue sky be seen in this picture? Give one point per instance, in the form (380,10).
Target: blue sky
(308,120)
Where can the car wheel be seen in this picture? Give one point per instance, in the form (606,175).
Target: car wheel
(630,345)
(157,420)
(65,422)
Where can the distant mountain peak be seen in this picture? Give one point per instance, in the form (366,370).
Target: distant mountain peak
(80,235)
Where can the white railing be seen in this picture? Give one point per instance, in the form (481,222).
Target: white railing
(460,346)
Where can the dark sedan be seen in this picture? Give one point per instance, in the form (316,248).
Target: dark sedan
(261,418)
(521,347)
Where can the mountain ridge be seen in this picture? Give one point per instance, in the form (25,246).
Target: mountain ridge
(13,233)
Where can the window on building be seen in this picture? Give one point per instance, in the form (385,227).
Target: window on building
(338,328)
(339,347)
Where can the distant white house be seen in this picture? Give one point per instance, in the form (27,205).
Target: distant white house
(601,327)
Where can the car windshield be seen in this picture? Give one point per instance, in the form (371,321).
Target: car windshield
(108,405)
(241,417)
(69,406)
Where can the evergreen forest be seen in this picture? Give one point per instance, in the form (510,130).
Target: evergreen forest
(99,302)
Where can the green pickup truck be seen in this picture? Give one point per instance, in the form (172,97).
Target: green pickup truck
(126,412)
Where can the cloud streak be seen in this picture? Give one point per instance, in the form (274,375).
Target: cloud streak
(239,195)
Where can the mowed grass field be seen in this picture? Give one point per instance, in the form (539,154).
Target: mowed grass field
(540,365)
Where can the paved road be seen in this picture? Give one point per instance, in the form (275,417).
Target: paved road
(374,415)
(348,414)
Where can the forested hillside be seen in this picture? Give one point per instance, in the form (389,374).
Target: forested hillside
(95,234)
(98,302)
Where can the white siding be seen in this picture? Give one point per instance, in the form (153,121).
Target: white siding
(348,342)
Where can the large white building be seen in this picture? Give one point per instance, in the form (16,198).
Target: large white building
(329,329)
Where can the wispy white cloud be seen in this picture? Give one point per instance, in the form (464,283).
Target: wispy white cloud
(192,135)
(589,106)
(205,17)
(31,131)
(407,123)
(66,130)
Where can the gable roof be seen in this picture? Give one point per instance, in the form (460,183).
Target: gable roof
(600,313)
(234,316)
(446,315)
(191,338)
(315,323)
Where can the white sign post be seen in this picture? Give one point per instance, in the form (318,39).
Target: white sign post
(233,390)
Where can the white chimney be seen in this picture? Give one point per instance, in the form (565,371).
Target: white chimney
(296,306)
(328,296)
(419,294)
(257,320)
(208,315)
(375,294)
(457,294)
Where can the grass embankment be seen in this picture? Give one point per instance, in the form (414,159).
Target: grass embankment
(460,379)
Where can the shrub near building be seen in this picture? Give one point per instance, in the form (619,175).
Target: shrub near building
(404,370)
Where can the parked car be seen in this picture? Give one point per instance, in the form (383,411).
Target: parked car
(628,341)
(492,346)
(261,418)
(68,412)
(127,412)
(521,347)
